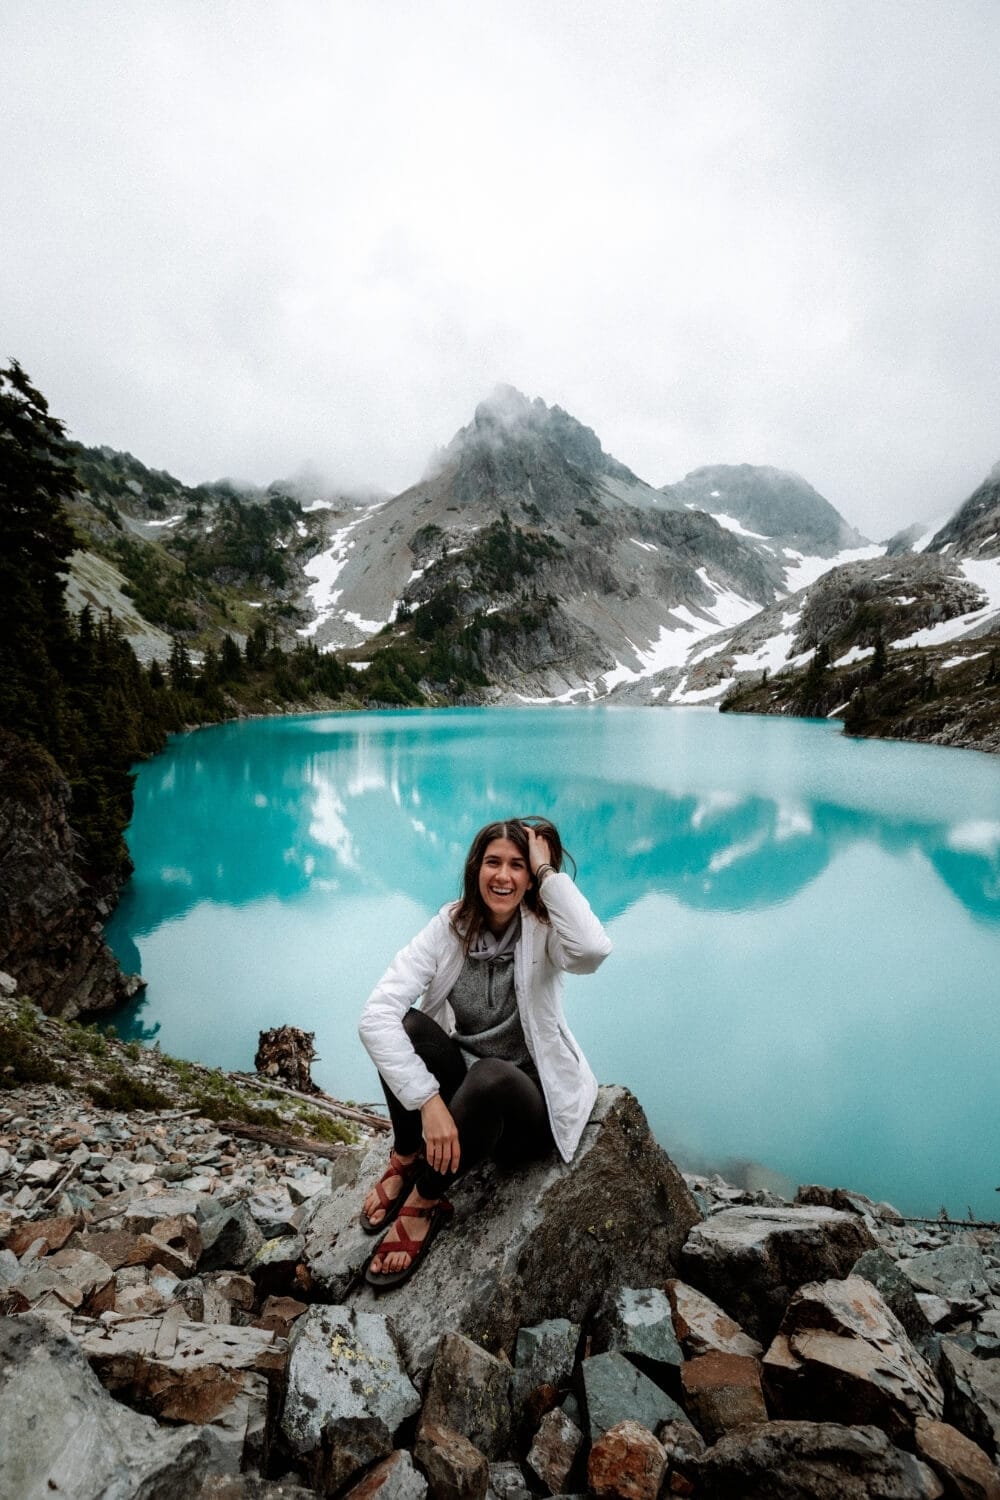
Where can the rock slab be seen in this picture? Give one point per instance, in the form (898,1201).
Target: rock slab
(750,1260)
(523,1246)
(810,1461)
(62,1434)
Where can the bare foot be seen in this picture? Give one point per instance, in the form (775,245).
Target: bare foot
(391,1183)
(388,1257)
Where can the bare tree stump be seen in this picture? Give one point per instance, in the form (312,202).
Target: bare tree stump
(286,1055)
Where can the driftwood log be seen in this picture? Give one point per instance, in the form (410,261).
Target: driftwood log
(283,1138)
(319,1101)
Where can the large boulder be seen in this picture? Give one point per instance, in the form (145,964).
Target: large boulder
(809,1461)
(523,1246)
(62,1434)
(750,1260)
(841,1355)
(973,1394)
(347,1393)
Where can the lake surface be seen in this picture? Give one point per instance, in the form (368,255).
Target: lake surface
(806,928)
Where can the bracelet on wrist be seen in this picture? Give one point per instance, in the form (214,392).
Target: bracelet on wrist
(543,870)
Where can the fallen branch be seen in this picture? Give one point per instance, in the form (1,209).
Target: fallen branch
(283,1138)
(321,1102)
(953,1223)
(60,1184)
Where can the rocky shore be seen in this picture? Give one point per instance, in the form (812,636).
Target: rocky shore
(183,1314)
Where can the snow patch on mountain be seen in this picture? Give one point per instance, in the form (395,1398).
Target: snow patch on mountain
(985,574)
(673,646)
(730,523)
(805,570)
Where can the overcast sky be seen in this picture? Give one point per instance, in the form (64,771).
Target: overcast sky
(242,238)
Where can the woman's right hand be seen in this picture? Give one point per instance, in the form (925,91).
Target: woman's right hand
(440,1135)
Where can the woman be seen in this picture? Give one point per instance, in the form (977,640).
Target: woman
(487,1065)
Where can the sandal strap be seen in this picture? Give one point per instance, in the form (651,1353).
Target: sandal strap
(406,1171)
(442,1206)
(404,1243)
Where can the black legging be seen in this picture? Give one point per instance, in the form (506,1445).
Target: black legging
(497,1106)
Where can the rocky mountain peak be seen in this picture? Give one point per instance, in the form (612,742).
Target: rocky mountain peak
(509,422)
(772,502)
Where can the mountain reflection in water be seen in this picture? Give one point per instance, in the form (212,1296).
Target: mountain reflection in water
(803,925)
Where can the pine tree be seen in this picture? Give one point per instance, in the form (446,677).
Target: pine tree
(35,543)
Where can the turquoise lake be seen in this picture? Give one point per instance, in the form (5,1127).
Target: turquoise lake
(806,927)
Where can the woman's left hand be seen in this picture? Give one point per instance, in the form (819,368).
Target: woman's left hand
(539,852)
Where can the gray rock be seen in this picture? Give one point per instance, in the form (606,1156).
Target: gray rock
(469,1391)
(896,1291)
(274,1212)
(347,1393)
(751,1260)
(236,1426)
(844,1199)
(809,1461)
(544,1355)
(840,1353)
(955,1272)
(274,1265)
(526,1245)
(177,1371)
(62,1434)
(972,1387)
(10,1268)
(639,1324)
(230,1238)
(615,1391)
(142,1213)
(507,1482)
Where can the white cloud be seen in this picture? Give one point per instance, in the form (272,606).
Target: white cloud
(239,238)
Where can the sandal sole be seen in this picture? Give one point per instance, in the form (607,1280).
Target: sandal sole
(385,1279)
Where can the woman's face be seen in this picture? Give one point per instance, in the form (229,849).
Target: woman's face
(504,878)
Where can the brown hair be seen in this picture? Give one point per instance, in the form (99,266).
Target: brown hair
(469,915)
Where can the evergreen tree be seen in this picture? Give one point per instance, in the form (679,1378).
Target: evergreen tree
(878,662)
(35,543)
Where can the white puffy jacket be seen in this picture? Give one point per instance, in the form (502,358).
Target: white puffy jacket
(426,971)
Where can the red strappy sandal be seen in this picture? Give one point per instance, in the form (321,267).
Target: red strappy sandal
(438,1214)
(406,1171)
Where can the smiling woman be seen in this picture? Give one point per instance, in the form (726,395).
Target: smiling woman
(486,1066)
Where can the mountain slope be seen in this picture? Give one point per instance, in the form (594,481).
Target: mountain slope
(779,514)
(603,580)
(974,530)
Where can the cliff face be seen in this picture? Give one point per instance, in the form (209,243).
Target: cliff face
(50,919)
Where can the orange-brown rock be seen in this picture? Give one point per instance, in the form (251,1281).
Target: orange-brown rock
(963,1468)
(455,1468)
(627,1462)
(278,1314)
(722,1392)
(553,1452)
(55,1232)
(701,1326)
